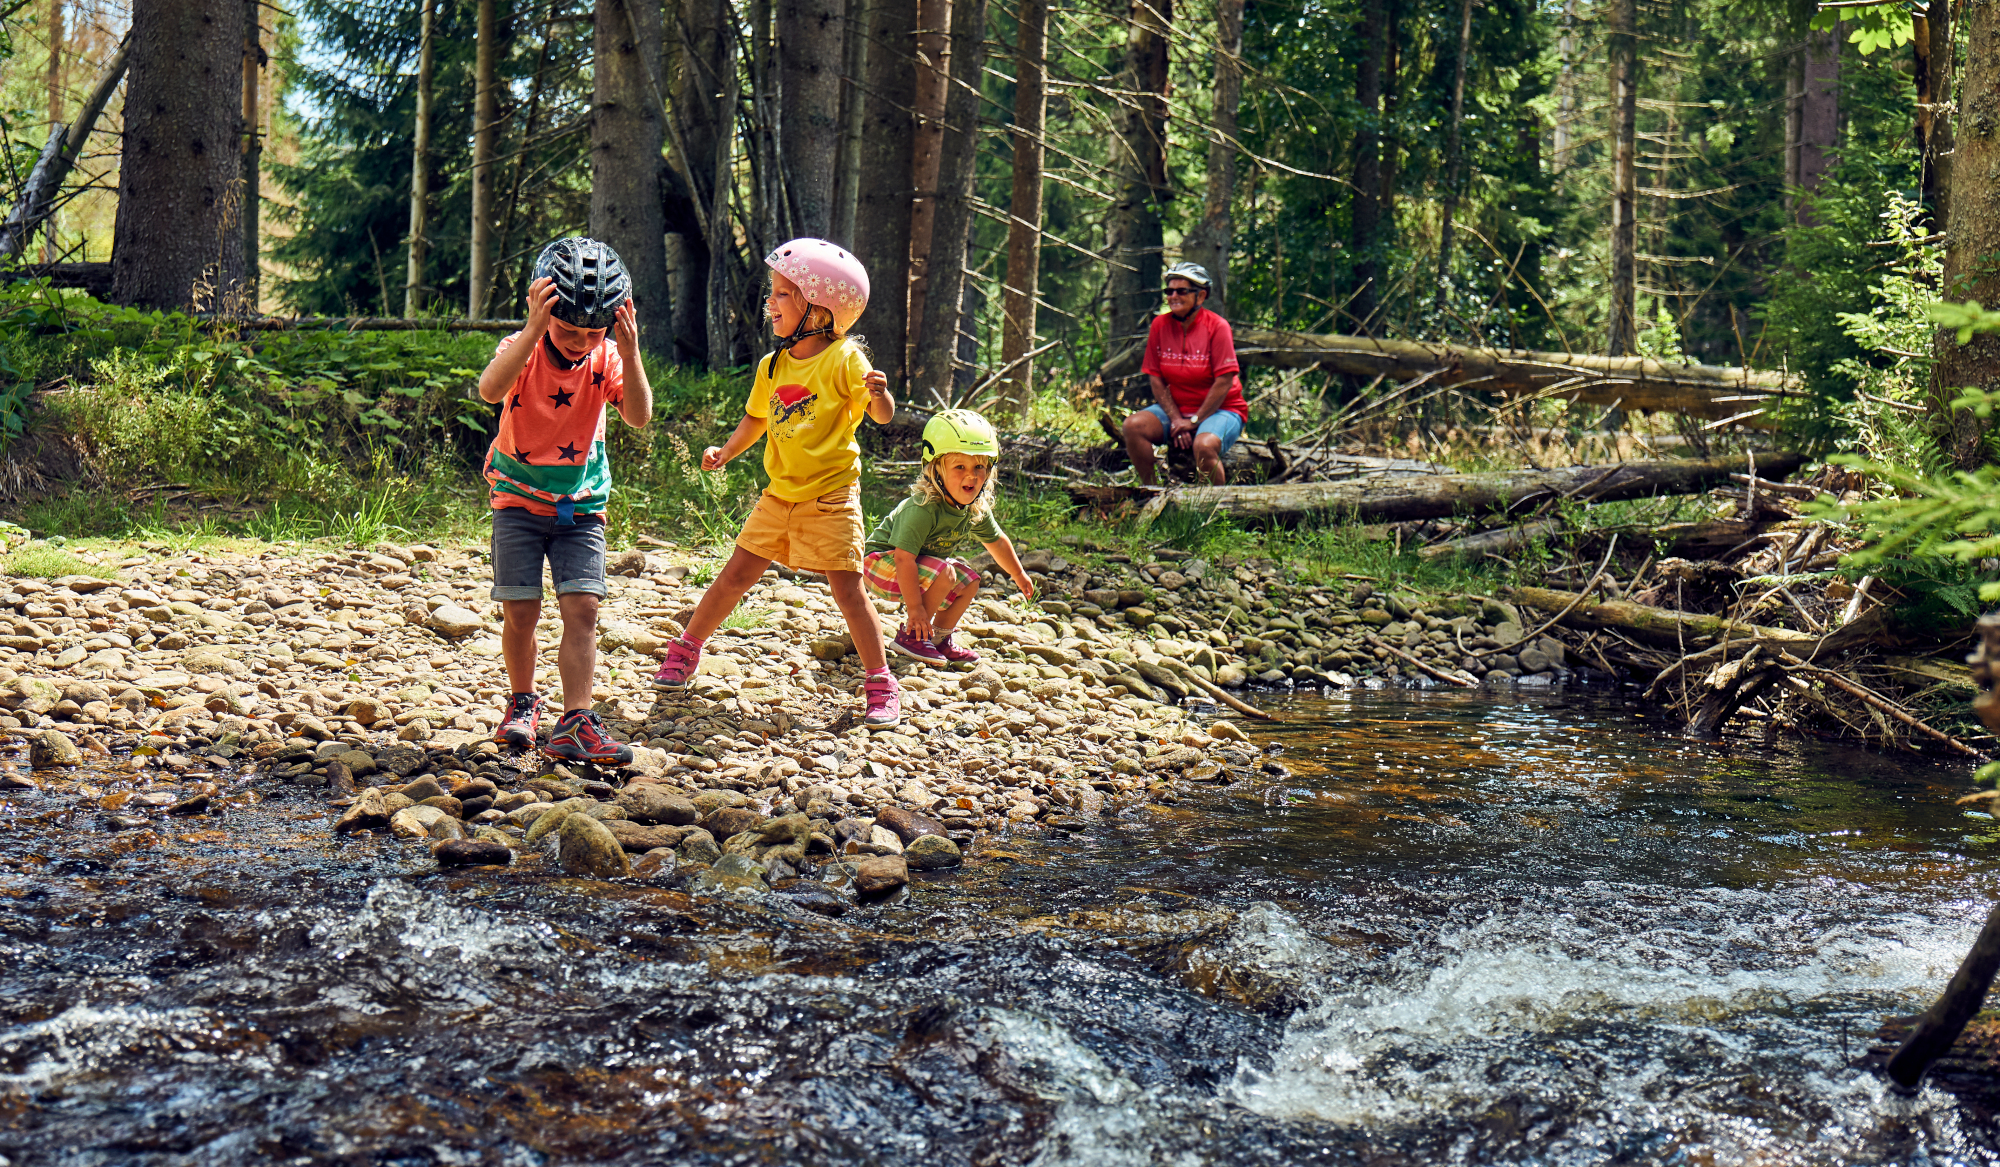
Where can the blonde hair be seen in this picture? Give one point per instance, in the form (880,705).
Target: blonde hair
(926,490)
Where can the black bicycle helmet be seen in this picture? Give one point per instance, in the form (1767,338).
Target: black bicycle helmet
(591,281)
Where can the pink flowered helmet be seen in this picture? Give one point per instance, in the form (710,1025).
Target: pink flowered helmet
(829,276)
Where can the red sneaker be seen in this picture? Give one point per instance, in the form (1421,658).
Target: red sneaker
(910,645)
(683,657)
(580,737)
(885,702)
(524,716)
(952,651)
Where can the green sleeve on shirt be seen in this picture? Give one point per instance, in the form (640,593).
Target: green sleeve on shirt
(904,529)
(987,529)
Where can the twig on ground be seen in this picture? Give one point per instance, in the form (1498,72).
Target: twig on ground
(1458,679)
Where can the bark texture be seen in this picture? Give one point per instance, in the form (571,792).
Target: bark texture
(1133,232)
(811,39)
(884,184)
(937,343)
(1623,52)
(625,141)
(253,148)
(1208,244)
(1454,150)
(1365,218)
(1024,250)
(933,79)
(178,239)
(485,132)
(1972,237)
(420,167)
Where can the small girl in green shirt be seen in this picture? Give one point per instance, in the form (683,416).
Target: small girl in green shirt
(908,555)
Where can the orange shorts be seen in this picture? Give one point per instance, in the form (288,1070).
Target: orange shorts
(819,534)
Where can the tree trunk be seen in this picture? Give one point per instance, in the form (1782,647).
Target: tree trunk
(57,43)
(1623,52)
(1454,151)
(937,343)
(695,47)
(1973,237)
(1133,234)
(626,138)
(1208,244)
(1365,221)
(811,40)
(253,152)
(1404,498)
(933,81)
(853,123)
(485,120)
(1024,229)
(1392,92)
(420,167)
(771,209)
(178,239)
(883,185)
(1819,112)
(726,333)
(1565,89)
(1935,93)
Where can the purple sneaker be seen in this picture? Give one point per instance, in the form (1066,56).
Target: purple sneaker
(683,657)
(885,702)
(949,649)
(910,645)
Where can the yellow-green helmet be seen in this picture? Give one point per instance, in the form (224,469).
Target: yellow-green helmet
(960,431)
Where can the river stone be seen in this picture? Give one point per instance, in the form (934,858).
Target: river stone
(636,637)
(553,818)
(447,828)
(402,761)
(731,820)
(707,802)
(880,874)
(641,839)
(414,822)
(1534,660)
(659,863)
(908,825)
(698,846)
(454,621)
(35,695)
(207,660)
(52,747)
(471,853)
(731,875)
(369,813)
(447,804)
(813,896)
(421,789)
(84,692)
(649,803)
(360,763)
(932,853)
(463,788)
(590,850)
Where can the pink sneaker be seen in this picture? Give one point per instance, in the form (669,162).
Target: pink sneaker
(683,656)
(910,645)
(885,702)
(949,649)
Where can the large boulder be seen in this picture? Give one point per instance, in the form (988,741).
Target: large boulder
(647,802)
(454,621)
(908,825)
(52,747)
(590,850)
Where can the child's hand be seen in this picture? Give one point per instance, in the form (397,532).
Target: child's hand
(712,459)
(541,306)
(1026,585)
(918,622)
(625,327)
(877,382)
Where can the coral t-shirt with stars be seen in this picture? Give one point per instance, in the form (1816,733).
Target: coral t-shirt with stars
(550,445)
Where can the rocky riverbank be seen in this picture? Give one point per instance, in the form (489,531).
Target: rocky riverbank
(183,685)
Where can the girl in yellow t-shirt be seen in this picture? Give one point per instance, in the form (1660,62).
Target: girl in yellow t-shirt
(807,400)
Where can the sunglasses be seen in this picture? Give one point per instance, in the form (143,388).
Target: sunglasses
(1179,291)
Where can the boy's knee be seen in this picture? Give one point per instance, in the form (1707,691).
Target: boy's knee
(579,608)
(516,612)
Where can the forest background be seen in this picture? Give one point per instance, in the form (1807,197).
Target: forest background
(1759,184)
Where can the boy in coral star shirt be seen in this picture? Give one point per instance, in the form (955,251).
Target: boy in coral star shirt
(551,479)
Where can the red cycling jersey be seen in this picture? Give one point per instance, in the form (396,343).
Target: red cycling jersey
(1190,358)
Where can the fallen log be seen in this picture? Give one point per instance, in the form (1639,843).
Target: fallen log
(1940,1025)
(1632,383)
(1665,626)
(1400,498)
(1493,542)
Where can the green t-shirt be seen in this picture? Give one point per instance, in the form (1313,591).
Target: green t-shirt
(933,528)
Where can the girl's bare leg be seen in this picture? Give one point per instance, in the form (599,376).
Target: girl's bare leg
(722,596)
(861,619)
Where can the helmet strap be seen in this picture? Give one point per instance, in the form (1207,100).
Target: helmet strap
(937,483)
(555,354)
(799,333)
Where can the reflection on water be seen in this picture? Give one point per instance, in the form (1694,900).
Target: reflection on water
(1461,930)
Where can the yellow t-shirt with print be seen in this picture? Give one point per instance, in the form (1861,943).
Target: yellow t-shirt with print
(812,408)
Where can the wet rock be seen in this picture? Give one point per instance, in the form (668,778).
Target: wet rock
(447,828)
(414,822)
(51,748)
(447,804)
(647,802)
(880,874)
(639,839)
(339,782)
(659,863)
(731,875)
(471,853)
(590,850)
(908,825)
(1226,731)
(932,853)
(422,789)
(698,846)
(14,780)
(731,820)
(401,760)
(369,813)
(198,804)
(707,802)
(814,896)
(553,818)
(359,763)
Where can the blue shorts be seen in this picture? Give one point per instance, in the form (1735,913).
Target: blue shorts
(522,540)
(1222,423)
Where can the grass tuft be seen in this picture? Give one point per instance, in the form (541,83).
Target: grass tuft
(41,561)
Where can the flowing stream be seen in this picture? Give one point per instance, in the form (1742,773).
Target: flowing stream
(1465,928)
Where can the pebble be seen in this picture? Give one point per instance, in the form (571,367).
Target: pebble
(51,748)
(880,875)
(932,853)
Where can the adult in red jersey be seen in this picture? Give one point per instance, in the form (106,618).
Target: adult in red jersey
(1197,389)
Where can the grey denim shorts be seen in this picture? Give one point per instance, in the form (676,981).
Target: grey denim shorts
(523,539)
